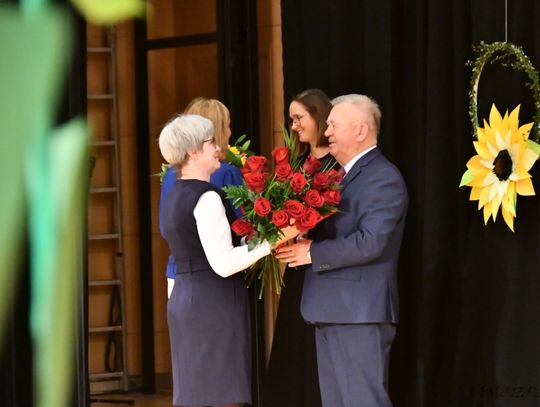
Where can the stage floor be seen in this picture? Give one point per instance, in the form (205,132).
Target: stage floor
(140,400)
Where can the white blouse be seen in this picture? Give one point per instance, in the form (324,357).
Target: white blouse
(215,234)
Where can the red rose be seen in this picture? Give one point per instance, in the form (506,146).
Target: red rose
(336,176)
(320,181)
(308,220)
(294,208)
(298,182)
(255,163)
(242,228)
(256,181)
(281,154)
(280,218)
(283,171)
(311,165)
(332,197)
(262,206)
(313,198)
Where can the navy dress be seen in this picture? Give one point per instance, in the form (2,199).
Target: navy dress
(208,315)
(291,376)
(226,175)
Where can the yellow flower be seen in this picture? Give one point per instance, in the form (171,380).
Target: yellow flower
(234,150)
(500,170)
(241,155)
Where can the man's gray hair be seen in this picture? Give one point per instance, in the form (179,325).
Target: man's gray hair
(365,103)
(181,134)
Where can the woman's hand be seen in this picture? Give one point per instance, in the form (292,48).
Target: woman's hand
(288,233)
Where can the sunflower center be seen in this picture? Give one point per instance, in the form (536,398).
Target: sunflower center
(502,165)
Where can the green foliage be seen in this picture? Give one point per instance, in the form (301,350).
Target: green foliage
(292,145)
(265,269)
(240,196)
(511,56)
(278,192)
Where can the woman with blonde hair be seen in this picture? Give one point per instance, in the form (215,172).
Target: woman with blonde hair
(218,114)
(227,174)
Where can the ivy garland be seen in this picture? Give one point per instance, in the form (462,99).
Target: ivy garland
(510,56)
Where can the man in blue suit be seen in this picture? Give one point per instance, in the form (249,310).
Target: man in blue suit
(350,291)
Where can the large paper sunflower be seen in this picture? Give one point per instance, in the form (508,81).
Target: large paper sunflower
(500,170)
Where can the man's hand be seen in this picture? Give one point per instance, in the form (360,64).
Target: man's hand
(296,254)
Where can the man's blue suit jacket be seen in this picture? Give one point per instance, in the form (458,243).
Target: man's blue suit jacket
(352,278)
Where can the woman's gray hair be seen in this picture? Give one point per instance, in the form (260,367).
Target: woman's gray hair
(183,133)
(365,103)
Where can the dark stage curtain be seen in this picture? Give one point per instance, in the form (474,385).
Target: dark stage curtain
(469,333)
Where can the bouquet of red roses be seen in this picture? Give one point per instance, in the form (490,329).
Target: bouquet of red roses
(295,194)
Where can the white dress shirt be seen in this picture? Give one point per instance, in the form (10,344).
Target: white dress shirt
(347,167)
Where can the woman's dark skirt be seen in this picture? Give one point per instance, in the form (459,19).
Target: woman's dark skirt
(209,330)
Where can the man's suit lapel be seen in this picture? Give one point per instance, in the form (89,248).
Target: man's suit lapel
(359,165)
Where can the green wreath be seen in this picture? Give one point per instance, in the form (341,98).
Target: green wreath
(510,56)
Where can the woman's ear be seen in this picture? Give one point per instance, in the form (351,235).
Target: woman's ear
(193,154)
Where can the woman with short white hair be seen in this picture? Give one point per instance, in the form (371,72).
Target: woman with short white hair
(207,312)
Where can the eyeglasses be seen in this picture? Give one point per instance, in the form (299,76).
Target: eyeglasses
(211,140)
(296,119)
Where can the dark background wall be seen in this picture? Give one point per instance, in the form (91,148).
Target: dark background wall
(469,332)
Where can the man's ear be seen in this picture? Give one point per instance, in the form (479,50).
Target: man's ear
(363,131)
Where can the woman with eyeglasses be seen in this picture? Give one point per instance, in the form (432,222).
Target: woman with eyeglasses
(226,175)
(207,312)
(292,379)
